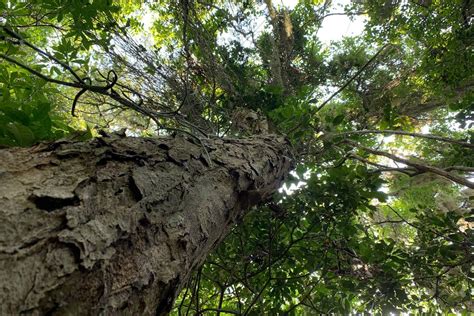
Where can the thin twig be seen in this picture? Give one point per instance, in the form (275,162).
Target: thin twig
(42,52)
(353,77)
(218,310)
(255,299)
(419,228)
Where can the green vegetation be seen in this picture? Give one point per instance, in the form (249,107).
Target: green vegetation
(378,214)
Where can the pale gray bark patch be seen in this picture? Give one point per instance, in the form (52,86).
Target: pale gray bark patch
(117,224)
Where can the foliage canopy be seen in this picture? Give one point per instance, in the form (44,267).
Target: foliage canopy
(378,214)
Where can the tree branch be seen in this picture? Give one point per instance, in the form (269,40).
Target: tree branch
(218,310)
(353,77)
(382,168)
(42,52)
(255,299)
(427,136)
(418,166)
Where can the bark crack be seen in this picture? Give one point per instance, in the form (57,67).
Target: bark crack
(51,203)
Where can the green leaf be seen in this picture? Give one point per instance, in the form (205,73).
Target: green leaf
(22,135)
(338,119)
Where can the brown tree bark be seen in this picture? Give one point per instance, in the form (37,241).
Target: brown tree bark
(117,224)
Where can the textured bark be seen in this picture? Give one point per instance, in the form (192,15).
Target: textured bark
(116,224)
(282,46)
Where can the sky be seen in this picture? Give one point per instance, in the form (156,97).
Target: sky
(336,26)
(333,27)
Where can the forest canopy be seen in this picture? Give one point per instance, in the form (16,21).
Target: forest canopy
(377,215)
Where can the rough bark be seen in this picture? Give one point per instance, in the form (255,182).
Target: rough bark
(282,46)
(116,224)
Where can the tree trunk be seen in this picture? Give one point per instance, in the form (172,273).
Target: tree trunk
(117,224)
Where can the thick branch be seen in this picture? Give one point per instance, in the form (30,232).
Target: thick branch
(382,168)
(427,136)
(419,166)
(275,63)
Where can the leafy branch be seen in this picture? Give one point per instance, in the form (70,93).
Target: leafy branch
(84,84)
(420,167)
(427,136)
(357,74)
